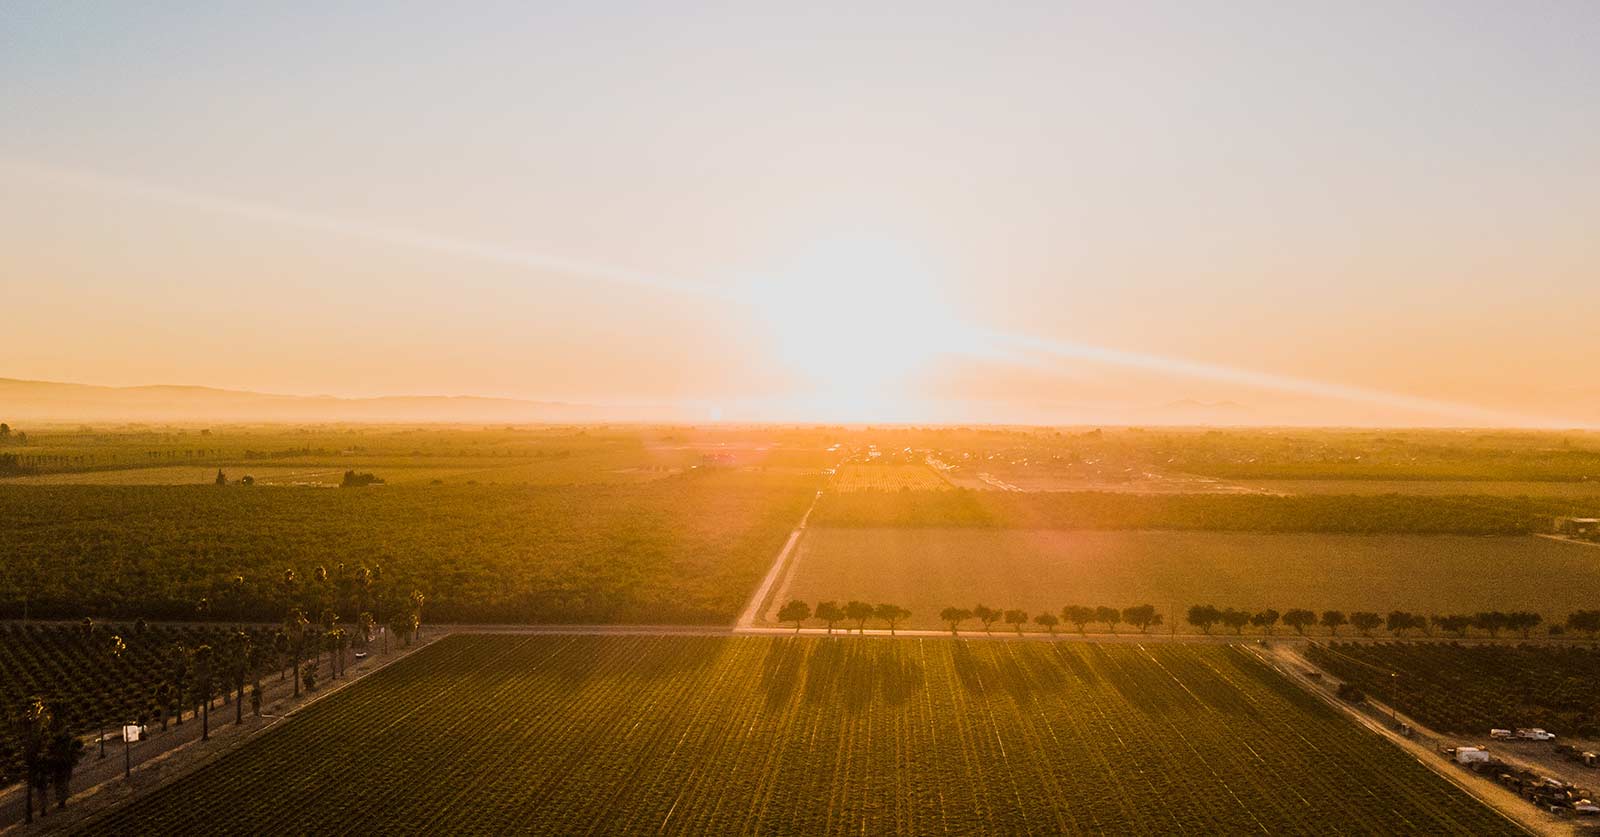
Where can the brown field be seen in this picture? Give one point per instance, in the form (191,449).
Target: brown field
(927,570)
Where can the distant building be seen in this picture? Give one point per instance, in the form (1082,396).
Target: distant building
(1578,527)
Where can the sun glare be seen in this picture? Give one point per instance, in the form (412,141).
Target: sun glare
(855,322)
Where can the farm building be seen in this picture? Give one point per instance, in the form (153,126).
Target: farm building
(1578,527)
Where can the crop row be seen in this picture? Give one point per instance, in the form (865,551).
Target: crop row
(695,735)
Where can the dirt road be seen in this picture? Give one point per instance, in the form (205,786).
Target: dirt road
(753,610)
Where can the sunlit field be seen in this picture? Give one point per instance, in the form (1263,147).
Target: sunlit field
(854,477)
(1039,570)
(903,418)
(683,548)
(562,735)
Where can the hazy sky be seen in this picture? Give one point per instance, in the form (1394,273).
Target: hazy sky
(1333,212)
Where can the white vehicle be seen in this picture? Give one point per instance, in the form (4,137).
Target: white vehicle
(1535,734)
(1586,808)
(1502,734)
(1468,755)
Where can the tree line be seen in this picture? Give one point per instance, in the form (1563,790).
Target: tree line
(1398,623)
(1206,618)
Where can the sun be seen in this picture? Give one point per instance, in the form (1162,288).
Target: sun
(855,323)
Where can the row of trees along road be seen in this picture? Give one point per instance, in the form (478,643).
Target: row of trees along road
(1398,623)
(197,675)
(832,613)
(50,753)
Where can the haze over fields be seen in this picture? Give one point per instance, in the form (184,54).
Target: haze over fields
(819,418)
(1242,213)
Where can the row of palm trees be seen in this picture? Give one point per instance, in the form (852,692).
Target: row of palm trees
(197,675)
(50,752)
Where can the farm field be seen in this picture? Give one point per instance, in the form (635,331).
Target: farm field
(1464,515)
(321,454)
(1038,570)
(699,735)
(1473,688)
(891,477)
(682,549)
(1587,489)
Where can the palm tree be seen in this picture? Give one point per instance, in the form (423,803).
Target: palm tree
(364,623)
(363,588)
(416,600)
(320,576)
(297,628)
(280,650)
(204,662)
(375,583)
(236,595)
(288,592)
(32,735)
(181,660)
(240,648)
(113,650)
(330,621)
(63,751)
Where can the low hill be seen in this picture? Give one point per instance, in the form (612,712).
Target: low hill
(46,401)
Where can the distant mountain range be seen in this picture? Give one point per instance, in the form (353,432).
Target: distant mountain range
(46,401)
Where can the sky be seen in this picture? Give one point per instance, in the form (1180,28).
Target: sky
(1240,212)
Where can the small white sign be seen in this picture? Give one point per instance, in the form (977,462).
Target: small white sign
(130,733)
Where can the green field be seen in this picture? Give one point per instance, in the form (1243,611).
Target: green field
(708,735)
(928,569)
(686,548)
